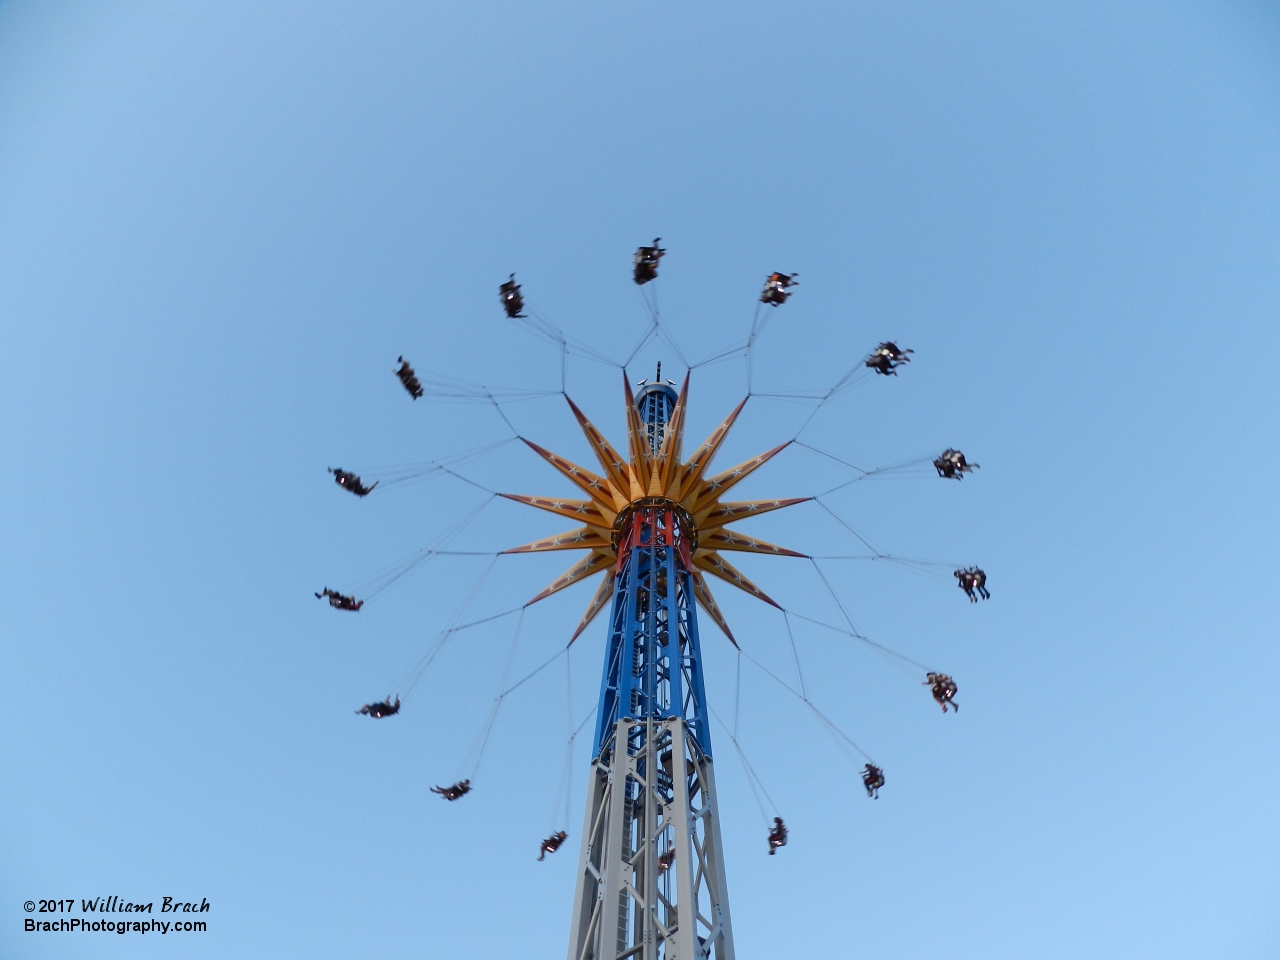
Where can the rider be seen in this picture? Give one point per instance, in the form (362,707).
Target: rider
(459,789)
(383,708)
(409,378)
(775,288)
(552,844)
(953,464)
(944,689)
(512,301)
(887,357)
(873,780)
(340,601)
(980,583)
(777,836)
(647,262)
(973,581)
(349,481)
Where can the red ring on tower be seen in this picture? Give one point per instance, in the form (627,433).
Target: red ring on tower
(655,522)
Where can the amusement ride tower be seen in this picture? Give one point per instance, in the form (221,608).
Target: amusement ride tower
(651,880)
(651,875)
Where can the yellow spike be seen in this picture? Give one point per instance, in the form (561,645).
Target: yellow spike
(722,514)
(596,605)
(671,490)
(712,490)
(718,566)
(703,593)
(731,540)
(615,468)
(697,465)
(594,563)
(583,510)
(595,487)
(672,442)
(636,491)
(637,439)
(584,538)
(655,481)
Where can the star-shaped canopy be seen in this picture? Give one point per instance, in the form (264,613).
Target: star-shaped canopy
(644,476)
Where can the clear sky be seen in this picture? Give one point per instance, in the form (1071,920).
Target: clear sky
(220,224)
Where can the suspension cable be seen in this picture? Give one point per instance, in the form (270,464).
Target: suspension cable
(930,567)
(795,652)
(491,720)
(412,676)
(372,586)
(753,778)
(830,724)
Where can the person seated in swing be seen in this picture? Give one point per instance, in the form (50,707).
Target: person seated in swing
(551,844)
(383,708)
(459,789)
(340,601)
(973,581)
(953,465)
(873,780)
(944,690)
(665,860)
(777,836)
(775,288)
(980,583)
(887,357)
(512,301)
(647,262)
(350,481)
(409,378)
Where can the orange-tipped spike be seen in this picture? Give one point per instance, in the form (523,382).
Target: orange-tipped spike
(730,540)
(583,510)
(722,514)
(668,470)
(603,594)
(718,566)
(638,441)
(615,468)
(703,593)
(584,568)
(718,485)
(584,538)
(595,487)
(701,459)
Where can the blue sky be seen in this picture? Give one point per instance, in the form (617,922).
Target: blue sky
(221,224)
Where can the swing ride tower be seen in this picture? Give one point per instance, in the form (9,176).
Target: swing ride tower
(655,526)
(651,876)
(650,881)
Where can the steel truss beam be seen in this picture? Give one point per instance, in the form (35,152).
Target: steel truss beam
(651,879)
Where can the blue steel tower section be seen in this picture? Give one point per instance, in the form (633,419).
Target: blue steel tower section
(651,878)
(653,664)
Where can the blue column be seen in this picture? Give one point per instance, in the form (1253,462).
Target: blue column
(653,664)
